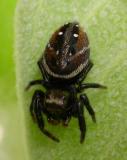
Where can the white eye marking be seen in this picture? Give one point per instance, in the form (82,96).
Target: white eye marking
(77,25)
(70,54)
(60,33)
(57,52)
(75,35)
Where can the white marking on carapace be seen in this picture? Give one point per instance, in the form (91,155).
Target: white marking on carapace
(49,46)
(75,35)
(54,100)
(60,33)
(57,52)
(70,75)
(84,49)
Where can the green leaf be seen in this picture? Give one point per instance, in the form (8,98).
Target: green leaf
(106,25)
(11,138)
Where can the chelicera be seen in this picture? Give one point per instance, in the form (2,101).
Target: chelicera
(64,66)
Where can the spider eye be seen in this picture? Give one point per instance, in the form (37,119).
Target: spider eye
(60,33)
(75,35)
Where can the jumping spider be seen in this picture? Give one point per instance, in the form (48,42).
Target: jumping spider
(64,66)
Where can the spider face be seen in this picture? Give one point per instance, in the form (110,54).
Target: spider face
(67,52)
(66,59)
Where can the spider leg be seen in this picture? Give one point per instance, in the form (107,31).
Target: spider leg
(40,82)
(66,121)
(32,105)
(42,69)
(35,82)
(36,109)
(88,68)
(90,85)
(89,108)
(81,121)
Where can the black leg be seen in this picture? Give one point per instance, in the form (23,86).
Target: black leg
(41,82)
(90,85)
(44,83)
(36,110)
(89,108)
(35,82)
(45,76)
(32,106)
(66,121)
(82,123)
(38,94)
(89,67)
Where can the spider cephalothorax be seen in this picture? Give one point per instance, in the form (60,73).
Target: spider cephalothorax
(64,65)
(67,52)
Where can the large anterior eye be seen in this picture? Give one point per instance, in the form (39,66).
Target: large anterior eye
(75,35)
(60,33)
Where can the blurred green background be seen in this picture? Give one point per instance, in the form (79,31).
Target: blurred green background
(7,9)
(11,147)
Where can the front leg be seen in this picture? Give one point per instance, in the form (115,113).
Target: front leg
(36,109)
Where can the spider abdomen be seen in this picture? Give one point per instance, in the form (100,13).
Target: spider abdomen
(56,101)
